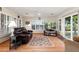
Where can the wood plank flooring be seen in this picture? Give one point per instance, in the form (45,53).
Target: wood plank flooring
(71,46)
(58,46)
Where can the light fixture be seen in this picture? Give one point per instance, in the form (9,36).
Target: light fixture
(39,17)
(12,25)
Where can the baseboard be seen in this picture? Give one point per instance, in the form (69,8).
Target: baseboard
(60,36)
(4,39)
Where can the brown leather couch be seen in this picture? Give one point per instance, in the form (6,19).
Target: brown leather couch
(22,36)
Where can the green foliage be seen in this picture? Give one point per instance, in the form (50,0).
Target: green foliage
(75,18)
(68,27)
(75,22)
(50,25)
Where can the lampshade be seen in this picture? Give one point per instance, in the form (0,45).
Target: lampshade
(12,24)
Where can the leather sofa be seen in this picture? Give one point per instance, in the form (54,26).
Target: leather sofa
(22,36)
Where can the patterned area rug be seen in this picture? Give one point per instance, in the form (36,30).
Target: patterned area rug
(40,41)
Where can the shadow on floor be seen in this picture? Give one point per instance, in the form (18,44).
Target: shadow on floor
(71,46)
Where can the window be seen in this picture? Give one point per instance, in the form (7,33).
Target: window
(37,25)
(50,25)
(71,26)
(68,27)
(7,23)
(75,25)
(59,24)
(33,27)
(3,22)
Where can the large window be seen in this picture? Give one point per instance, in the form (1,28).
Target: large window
(4,22)
(71,26)
(41,25)
(38,25)
(50,25)
(68,27)
(75,25)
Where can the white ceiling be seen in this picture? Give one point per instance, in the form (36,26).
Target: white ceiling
(39,11)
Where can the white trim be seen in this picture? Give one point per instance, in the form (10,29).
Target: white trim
(71,28)
(78,22)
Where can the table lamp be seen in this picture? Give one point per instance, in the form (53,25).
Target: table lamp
(12,25)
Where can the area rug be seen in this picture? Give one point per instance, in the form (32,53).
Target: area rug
(40,41)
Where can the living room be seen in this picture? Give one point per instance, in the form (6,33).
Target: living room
(38,28)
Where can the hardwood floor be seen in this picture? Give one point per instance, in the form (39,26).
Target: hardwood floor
(4,47)
(71,46)
(58,46)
